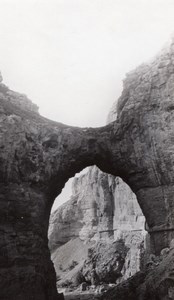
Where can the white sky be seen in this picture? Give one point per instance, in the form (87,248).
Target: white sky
(70,56)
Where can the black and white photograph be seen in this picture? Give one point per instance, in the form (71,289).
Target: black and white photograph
(86,149)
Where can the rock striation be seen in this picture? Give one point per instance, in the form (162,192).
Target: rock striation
(38,156)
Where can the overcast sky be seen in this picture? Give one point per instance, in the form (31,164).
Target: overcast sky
(70,56)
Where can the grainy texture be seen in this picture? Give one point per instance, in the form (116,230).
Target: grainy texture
(38,156)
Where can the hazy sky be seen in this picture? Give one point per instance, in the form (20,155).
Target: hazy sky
(70,56)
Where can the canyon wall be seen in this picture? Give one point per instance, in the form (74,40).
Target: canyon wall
(101,206)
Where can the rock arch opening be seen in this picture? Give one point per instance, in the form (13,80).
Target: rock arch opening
(102,217)
(38,156)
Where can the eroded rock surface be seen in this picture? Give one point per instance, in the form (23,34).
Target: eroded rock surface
(38,156)
(145,127)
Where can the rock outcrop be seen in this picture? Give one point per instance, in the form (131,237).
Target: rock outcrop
(38,156)
(154,282)
(145,114)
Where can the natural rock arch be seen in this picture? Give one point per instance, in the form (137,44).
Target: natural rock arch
(38,156)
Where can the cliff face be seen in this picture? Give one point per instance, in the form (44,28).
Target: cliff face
(89,211)
(145,110)
(101,206)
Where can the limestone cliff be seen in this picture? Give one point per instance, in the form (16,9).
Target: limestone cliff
(90,210)
(101,206)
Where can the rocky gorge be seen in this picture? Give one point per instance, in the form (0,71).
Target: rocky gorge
(38,156)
